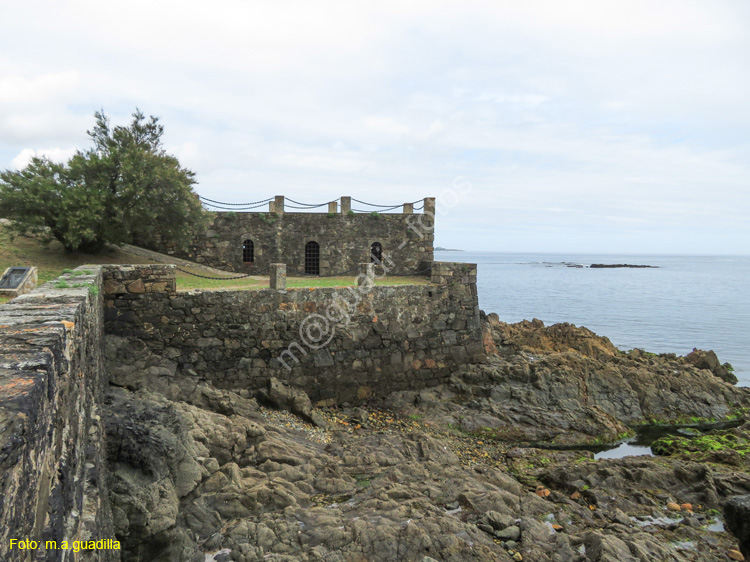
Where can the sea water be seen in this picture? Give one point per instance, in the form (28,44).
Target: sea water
(684,302)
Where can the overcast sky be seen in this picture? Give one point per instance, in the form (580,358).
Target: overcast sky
(582,126)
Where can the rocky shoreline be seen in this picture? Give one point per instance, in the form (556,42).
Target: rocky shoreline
(448,473)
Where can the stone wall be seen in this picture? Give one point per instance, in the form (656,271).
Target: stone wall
(345,241)
(345,344)
(52,485)
(137,279)
(335,343)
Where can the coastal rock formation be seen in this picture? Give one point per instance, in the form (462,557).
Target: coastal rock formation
(282,396)
(708,360)
(565,385)
(726,446)
(188,481)
(432,475)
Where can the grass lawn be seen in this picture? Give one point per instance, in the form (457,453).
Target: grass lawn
(187,282)
(53,259)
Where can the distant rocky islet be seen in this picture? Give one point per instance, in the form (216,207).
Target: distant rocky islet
(611,266)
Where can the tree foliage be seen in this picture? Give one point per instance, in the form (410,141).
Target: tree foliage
(125,188)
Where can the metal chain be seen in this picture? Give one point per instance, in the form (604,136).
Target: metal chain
(235,204)
(214,278)
(255,204)
(379,210)
(305,207)
(408,274)
(232,208)
(382,206)
(308,204)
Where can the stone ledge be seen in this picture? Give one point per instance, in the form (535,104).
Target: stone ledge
(51,380)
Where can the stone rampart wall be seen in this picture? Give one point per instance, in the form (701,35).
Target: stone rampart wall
(335,343)
(52,484)
(345,344)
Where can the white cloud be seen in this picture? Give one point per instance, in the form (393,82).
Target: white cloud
(386,125)
(55,154)
(630,113)
(42,89)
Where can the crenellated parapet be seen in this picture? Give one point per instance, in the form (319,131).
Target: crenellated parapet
(314,243)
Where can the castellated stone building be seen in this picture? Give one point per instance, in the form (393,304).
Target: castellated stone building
(324,244)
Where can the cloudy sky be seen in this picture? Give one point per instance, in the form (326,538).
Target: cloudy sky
(581,126)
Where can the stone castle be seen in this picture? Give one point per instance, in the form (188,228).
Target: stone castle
(124,404)
(54,374)
(315,243)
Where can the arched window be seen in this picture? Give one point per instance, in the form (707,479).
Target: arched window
(312,258)
(248,251)
(376,253)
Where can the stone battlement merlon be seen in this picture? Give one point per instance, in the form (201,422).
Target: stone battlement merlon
(278,207)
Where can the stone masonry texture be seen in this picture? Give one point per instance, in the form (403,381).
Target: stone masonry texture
(345,240)
(345,344)
(338,344)
(52,476)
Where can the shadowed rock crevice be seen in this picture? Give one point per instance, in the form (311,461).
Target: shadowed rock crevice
(737,514)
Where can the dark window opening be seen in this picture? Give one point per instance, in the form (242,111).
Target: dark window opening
(312,258)
(376,253)
(248,251)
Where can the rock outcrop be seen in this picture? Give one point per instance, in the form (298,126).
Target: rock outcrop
(433,475)
(708,360)
(284,397)
(565,385)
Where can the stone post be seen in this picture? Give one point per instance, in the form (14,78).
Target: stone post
(366,274)
(279,204)
(408,208)
(429,206)
(346,204)
(278,276)
(271,206)
(333,207)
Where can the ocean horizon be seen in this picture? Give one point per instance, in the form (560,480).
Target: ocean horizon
(680,303)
